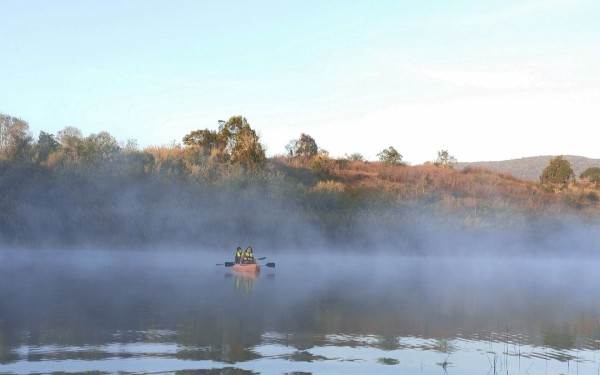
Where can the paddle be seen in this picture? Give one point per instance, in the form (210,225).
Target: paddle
(230,264)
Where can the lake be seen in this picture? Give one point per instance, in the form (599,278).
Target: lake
(176,312)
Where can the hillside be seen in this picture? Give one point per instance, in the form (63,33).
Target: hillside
(467,188)
(163,196)
(219,185)
(530,168)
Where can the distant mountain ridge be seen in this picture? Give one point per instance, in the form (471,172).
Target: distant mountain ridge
(530,168)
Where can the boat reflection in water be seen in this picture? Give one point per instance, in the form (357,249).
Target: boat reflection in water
(244,281)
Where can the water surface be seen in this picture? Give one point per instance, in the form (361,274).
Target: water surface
(176,312)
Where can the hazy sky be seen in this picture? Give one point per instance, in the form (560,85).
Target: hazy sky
(489,79)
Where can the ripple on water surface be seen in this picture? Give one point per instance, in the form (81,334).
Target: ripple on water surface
(134,313)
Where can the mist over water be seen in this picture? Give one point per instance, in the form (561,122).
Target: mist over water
(149,311)
(105,207)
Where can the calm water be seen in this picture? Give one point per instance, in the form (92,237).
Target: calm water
(136,312)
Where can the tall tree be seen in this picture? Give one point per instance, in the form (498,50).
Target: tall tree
(71,140)
(390,156)
(45,145)
(15,141)
(235,141)
(99,147)
(303,147)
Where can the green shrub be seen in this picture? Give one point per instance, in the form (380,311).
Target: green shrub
(592,174)
(558,172)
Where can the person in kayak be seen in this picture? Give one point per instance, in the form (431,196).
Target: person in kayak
(239,253)
(249,255)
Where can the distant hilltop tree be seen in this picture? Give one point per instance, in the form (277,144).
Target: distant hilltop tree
(592,174)
(234,141)
(70,146)
(355,157)
(304,147)
(15,141)
(558,172)
(390,156)
(46,145)
(70,139)
(101,147)
(445,160)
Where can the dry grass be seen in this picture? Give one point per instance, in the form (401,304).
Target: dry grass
(329,186)
(471,187)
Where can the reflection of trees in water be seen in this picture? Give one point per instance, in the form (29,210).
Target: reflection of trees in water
(220,337)
(308,323)
(304,356)
(222,371)
(7,342)
(560,336)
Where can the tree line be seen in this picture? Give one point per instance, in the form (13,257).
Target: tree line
(233,142)
(215,187)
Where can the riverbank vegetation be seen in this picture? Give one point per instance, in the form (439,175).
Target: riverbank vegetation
(218,185)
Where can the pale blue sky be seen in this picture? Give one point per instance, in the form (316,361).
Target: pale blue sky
(482,78)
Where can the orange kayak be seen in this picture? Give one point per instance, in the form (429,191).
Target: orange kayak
(247,268)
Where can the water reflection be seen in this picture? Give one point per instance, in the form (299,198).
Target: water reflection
(147,312)
(244,282)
